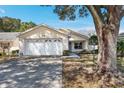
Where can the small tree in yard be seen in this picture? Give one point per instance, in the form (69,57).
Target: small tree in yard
(107,23)
(120,47)
(93,41)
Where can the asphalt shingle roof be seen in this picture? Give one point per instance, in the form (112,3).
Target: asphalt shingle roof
(121,34)
(8,35)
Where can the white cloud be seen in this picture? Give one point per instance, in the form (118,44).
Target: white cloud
(84,28)
(121,31)
(88,29)
(2,11)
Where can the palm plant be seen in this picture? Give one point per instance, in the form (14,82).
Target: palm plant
(120,48)
(93,41)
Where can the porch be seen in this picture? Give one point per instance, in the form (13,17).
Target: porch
(77,46)
(5,47)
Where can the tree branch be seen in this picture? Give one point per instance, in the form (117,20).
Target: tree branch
(95,15)
(122,11)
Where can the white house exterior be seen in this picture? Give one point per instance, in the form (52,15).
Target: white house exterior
(44,40)
(76,41)
(9,42)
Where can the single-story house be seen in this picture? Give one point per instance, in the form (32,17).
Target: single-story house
(44,40)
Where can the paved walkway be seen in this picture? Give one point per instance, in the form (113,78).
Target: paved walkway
(31,73)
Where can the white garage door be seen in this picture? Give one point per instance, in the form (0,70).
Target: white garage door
(43,47)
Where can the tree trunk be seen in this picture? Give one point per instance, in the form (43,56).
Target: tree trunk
(107,42)
(107,29)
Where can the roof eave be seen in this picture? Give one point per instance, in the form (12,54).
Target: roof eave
(36,27)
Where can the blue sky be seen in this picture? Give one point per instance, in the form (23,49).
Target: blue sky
(45,15)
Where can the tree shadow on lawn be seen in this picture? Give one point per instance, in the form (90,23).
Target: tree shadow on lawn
(36,74)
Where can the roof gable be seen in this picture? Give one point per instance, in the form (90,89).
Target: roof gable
(38,27)
(70,32)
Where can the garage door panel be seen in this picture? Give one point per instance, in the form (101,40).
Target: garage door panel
(55,48)
(58,46)
(46,47)
(35,48)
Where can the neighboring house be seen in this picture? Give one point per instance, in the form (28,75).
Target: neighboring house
(44,40)
(121,36)
(9,42)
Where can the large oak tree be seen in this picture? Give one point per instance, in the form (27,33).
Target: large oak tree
(107,23)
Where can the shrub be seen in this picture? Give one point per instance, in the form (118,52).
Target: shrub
(120,48)
(94,51)
(2,54)
(85,52)
(15,52)
(66,52)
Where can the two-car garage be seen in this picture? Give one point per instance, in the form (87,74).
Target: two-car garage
(42,41)
(42,46)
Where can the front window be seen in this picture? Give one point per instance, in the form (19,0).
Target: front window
(78,45)
(5,45)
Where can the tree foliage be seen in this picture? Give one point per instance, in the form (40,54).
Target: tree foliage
(71,12)
(120,47)
(93,40)
(8,24)
(26,25)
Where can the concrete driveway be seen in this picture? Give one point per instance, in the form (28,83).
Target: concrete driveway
(31,73)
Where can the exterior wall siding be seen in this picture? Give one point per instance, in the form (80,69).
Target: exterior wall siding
(14,45)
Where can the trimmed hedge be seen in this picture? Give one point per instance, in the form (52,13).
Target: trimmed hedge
(15,52)
(66,52)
